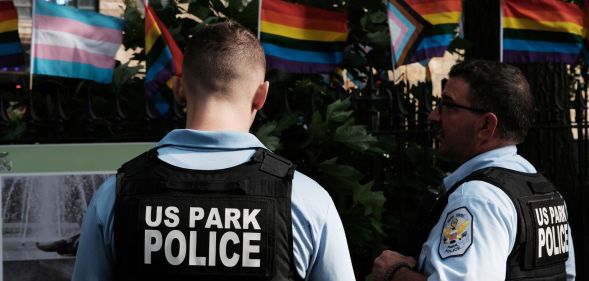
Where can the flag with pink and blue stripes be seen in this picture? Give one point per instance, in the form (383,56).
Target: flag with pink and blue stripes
(74,43)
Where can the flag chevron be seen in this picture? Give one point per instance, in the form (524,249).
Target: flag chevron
(405,29)
(300,38)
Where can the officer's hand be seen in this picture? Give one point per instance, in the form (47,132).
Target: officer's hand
(387,259)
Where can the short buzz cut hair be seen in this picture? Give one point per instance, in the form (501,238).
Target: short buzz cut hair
(501,89)
(220,53)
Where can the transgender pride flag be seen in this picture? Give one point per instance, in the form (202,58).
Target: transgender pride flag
(68,42)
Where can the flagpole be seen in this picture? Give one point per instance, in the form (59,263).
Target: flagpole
(394,60)
(259,16)
(32,64)
(500,31)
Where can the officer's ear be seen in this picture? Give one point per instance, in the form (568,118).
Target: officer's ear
(260,96)
(179,94)
(489,125)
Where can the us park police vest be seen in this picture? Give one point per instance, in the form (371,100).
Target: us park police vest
(541,246)
(173,223)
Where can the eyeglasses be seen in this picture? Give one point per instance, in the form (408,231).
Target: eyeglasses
(441,103)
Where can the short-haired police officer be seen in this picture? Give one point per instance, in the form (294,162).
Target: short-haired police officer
(210,202)
(499,219)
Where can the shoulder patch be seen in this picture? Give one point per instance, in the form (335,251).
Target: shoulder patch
(456,233)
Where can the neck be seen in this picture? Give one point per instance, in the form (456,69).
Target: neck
(488,146)
(214,115)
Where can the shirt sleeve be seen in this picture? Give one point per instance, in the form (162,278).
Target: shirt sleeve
(486,214)
(570,263)
(333,262)
(94,259)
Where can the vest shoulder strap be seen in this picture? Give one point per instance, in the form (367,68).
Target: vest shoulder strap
(139,163)
(274,164)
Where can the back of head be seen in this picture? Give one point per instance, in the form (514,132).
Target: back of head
(219,55)
(502,89)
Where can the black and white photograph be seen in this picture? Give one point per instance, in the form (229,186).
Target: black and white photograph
(41,220)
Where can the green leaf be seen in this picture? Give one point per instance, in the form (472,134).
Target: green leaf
(339,176)
(364,21)
(378,17)
(268,136)
(337,110)
(269,133)
(288,119)
(355,137)
(379,39)
(318,129)
(372,201)
(249,16)
(123,75)
(218,6)
(201,12)
(377,225)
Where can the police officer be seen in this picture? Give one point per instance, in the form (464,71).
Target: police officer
(210,202)
(498,219)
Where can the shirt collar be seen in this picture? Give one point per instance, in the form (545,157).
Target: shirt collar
(504,157)
(214,140)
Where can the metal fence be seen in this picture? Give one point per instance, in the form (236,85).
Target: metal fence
(70,111)
(557,145)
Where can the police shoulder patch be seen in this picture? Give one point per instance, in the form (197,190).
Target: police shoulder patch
(456,233)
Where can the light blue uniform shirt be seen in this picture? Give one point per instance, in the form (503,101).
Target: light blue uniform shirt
(493,226)
(319,244)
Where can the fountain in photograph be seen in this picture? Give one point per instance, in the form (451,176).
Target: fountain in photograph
(43,208)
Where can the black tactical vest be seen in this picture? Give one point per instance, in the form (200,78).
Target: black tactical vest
(173,223)
(541,246)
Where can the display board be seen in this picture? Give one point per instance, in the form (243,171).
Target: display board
(45,191)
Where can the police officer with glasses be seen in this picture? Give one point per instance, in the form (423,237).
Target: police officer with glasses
(498,219)
(210,202)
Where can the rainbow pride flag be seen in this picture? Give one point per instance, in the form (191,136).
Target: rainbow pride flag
(586,37)
(542,31)
(405,27)
(444,17)
(69,42)
(163,58)
(302,39)
(11,51)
